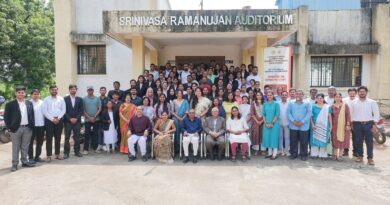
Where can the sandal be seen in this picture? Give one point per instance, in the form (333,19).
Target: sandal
(48,160)
(244,159)
(58,157)
(233,159)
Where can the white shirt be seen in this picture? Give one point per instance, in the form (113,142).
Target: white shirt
(38,114)
(309,100)
(23,112)
(73,100)
(184,75)
(283,113)
(348,101)
(155,74)
(250,77)
(53,107)
(366,110)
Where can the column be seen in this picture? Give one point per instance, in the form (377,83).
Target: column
(65,50)
(260,44)
(138,51)
(302,72)
(154,57)
(246,59)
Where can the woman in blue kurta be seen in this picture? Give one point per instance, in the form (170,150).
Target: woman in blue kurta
(271,111)
(321,123)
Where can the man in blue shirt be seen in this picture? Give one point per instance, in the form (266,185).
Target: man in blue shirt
(299,114)
(192,126)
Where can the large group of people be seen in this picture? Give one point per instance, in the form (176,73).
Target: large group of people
(174,107)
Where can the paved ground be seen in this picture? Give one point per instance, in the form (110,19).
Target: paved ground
(110,179)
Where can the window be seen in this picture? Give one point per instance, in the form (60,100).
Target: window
(340,71)
(91,59)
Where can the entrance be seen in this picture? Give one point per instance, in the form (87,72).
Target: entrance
(197,60)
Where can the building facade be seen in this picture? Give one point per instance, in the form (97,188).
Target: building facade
(101,41)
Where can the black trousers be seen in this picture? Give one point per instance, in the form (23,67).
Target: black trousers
(301,137)
(91,135)
(76,137)
(37,135)
(53,131)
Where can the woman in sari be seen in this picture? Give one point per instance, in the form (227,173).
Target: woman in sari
(180,109)
(256,114)
(321,123)
(126,112)
(341,119)
(201,105)
(164,129)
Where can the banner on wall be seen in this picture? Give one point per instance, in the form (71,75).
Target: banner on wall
(277,67)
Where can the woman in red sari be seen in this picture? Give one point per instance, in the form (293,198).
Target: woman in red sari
(126,112)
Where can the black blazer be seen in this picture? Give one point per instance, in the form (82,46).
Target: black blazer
(141,91)
(13,117)
(105,118)
(73,112)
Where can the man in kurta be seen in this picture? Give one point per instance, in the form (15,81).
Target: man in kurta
(139,129)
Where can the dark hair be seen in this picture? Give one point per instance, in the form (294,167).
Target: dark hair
(165,105)
(72,86)
(262,97)
(52,86)
(352,89)
(196,100)
(227,98)
(143,99)
(320,95)
(103,88)
(362,88)
(19,88)
(115,93)
(245,97)
(35,91)
(239,114)
(117,82)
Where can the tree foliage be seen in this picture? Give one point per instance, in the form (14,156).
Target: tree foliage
(26,44)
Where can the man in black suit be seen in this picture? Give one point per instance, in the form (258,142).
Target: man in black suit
(72,120)
(150,82)
(232,81)
(117,86)
(19,120)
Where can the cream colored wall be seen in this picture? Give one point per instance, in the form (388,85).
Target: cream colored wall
(231,52)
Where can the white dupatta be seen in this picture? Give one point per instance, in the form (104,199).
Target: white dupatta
(320,133)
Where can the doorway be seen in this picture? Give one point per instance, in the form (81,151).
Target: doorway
(197,60)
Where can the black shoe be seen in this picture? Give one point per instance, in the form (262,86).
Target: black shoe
(303,158)
(293,157)
(14,168)
(66,156)
(194,160)
(268,156)
(212,157)
(78,154)
(32,161)
(132,158)
(39,160)
(186,159)
(28,165)
(144,158)
(220,158)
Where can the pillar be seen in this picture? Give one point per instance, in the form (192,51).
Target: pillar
(65,51)
(380,71)
(260,44)
(138,50)
(154,57)
(246,59)
(302,72)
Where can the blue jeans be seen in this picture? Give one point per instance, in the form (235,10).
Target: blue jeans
(91,135)
(363,133)
(301,137)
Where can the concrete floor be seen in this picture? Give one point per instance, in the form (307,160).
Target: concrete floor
(110,179)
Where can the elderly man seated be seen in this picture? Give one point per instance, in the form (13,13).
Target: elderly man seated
(215,130)
(139,128)
(191,127)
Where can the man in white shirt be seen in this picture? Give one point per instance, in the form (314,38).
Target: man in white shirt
(184,74)
(331,93)
(312,98)
(254,75)
(19,120)
(284,134)
(39,128)
(365,114)
(153,71)
(348,100)
(53,109)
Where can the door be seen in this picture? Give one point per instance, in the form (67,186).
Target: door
(197,60)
